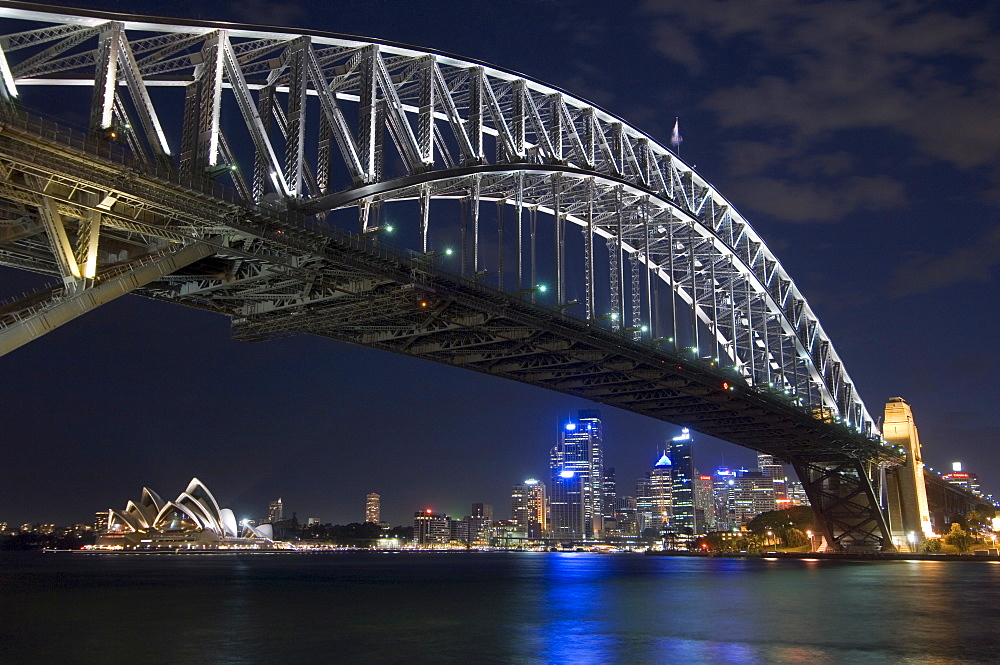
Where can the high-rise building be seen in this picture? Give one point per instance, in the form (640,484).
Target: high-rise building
(754,494)
(483,510)
(776,472)
(654,496)
(373,508)
(964,479)
(796,493)
(610,493)
(275,511)
(101,521)
(481,524)
(430,528)
(724,489)
(682,484)
(626,516)
(577,488)
(529,508)
(704,504)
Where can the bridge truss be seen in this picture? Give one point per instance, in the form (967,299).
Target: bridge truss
(502,226)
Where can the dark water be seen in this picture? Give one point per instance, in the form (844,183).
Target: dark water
(493,608)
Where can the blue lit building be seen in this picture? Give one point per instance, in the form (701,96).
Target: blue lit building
(683,485)
(577,487)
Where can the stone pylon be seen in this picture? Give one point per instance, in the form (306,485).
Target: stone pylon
(909,516)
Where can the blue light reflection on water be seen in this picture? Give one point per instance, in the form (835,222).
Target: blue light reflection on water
(494,607)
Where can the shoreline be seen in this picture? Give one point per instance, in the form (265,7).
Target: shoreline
(834,556)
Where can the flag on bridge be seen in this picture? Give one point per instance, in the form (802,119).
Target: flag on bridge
(675,138)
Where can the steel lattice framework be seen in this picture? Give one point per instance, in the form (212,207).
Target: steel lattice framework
(664,301)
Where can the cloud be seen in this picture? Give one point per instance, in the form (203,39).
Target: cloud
(925,71)
(852,64)
(969,263)
(814,202)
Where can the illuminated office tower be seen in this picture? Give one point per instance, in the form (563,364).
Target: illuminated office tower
(776,472)
(964,479)
(724,488)
(610,493)
(753,495)
(626,516)
(529,507)
(682,511)
(430,528)
(100,521)
(481,524)
(654,496)
(577,487)
(704,504)
(275,511)
(373,508)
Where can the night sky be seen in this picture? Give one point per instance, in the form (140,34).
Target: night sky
(861,139)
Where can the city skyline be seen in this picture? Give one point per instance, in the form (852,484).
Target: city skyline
(840,182)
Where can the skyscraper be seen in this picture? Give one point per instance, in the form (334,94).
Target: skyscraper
(529,508)
(654,496)
(430,528)
(577,466)
(704,504)
(275,511)
(481,524)
(776,472)
(753,494)
(610,493)
(724,486)
(373,508)
(682,484)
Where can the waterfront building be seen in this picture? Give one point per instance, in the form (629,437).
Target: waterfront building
(682,502)
(576,463)
(275,511)
(529,507)
(192,520)
(481,524)
(430,528)
(643,504)
(100,521)
(373,508)
(459,532)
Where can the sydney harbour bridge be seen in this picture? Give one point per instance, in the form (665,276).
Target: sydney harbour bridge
(412,201)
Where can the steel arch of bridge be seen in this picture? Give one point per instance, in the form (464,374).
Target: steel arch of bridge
(307,124)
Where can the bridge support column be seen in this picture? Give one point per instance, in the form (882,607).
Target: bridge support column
(909,512)
(22,322)
(847,509)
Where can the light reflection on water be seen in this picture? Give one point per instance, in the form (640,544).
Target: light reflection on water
(493,607)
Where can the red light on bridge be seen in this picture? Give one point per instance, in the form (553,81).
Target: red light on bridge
(725,385)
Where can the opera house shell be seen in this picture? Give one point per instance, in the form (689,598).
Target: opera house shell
(191,521)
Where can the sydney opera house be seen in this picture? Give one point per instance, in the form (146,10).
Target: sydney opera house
(191,521)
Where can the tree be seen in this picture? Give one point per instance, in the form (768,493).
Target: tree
(958,538)
(932,546)
(798,517)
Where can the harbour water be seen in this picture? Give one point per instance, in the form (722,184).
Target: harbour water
(482,607)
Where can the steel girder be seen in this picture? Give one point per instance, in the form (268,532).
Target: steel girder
(846,504)
(438,110)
